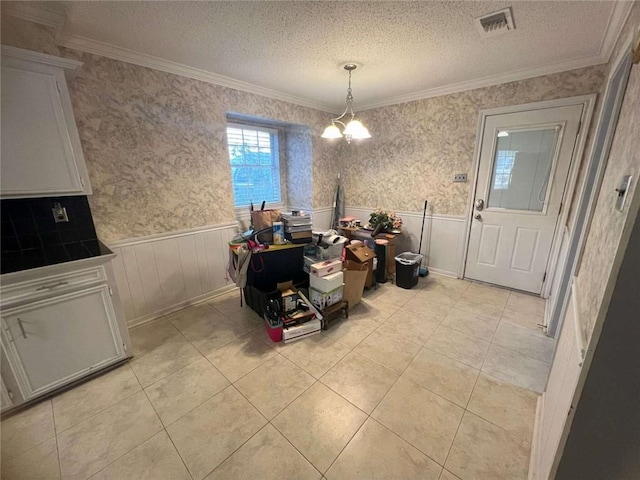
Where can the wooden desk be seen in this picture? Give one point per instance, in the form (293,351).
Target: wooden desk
(362,234)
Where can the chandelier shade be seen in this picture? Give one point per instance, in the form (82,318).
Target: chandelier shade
(353,129)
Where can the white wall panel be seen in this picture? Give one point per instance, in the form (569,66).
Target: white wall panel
(121,279)
(169,268)
(322,218)
(442,243)
(134,283)
(558,396)
(190,265)
(148,271)
(162,273)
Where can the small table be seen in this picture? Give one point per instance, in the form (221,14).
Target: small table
(329,313)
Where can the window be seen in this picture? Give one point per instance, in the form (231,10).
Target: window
(255,167)
(503,168)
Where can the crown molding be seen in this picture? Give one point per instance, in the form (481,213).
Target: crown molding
(88,45)
(487,82)
(69,66)
(619,14)
(37,14)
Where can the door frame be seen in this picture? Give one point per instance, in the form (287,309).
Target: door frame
(595,165)
(588,104)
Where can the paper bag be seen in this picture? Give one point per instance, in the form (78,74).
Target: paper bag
(261,219)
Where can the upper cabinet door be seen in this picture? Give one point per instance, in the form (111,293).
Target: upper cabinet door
(41,152)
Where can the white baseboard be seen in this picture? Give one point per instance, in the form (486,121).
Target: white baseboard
(536,440)
(179,306)
(444,272)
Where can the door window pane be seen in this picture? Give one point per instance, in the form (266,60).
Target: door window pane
(521,169)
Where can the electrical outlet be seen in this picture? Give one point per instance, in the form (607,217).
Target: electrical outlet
(460,177)
(59,213)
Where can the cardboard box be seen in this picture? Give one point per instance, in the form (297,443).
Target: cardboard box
(328,282)
(355,277)
(289,296)
(326,299)
(360,253)
(322,269)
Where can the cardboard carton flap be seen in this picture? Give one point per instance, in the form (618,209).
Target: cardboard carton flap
(355,266)
(359,253)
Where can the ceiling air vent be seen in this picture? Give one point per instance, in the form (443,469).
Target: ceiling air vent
(495,23)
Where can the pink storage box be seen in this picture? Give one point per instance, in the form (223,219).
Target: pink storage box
(327,267)
(275,333)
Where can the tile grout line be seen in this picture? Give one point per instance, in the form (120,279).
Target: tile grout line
(55,436)
(268,422)
(144,441)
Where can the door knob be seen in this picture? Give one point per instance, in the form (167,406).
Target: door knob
(479,204)
(477,216)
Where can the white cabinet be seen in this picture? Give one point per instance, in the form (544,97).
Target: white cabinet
(58,328)
(55,341)
(41,152)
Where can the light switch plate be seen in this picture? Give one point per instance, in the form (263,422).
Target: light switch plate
(460,177)
(623,190)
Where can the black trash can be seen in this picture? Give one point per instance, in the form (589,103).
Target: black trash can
(407,269)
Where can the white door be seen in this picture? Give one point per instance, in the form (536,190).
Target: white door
(524,164)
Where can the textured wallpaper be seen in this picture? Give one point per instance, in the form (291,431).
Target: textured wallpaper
(418,146)
(20,33)
(300,160)
(155,147)
(606,227)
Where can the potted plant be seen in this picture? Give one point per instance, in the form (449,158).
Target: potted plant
(385,221)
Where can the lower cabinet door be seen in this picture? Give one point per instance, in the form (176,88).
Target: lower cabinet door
(53,342)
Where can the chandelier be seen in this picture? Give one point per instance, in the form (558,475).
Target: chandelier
(354,128)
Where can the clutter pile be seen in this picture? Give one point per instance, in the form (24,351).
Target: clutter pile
(297,278)
(291,316)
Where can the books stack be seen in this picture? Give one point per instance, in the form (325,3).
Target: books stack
(297,228)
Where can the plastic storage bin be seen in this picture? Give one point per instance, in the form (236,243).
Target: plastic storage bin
(407,269)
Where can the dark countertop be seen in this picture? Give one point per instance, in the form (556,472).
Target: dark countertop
(18,260)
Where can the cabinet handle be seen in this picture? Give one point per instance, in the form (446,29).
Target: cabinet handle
(49,287)
(24,334)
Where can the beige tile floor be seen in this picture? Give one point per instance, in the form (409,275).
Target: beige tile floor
(436,382)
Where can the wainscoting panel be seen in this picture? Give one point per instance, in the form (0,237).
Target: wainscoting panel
(322,218)
(443,239)
(554,407)
(162,273)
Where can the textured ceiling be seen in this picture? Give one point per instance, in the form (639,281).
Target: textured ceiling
(298,47)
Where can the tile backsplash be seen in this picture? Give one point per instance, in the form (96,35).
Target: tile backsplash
(31,238)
